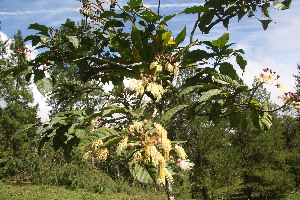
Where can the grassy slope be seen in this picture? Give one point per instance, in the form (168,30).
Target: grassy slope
(32,192)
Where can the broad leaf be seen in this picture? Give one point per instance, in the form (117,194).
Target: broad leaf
(228,69)
(98,134)
(241,62)
(195,9)
(222,41)
(209,94)
(170,113)
(143,173)
(44,86)
(265,23)
(42,28)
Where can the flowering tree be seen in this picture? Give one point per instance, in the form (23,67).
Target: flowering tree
(142,63)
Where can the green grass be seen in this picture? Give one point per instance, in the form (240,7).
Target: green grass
(33,192)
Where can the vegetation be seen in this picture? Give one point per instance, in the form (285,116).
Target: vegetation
(178,118)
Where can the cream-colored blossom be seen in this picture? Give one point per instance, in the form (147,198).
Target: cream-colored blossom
(138,86)
(87,155)
(169,67)
(161,131)
(281,87)
(267,77)
(29,56)
(97,143)
(155,65)
(180,151)
(166,146)
(153,155)
(102,154)
(155,89)
(123,144)
(185,164)
(137,157)
(168,175)
(136,126)
(161,179)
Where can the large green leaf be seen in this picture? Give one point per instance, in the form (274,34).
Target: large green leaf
(98,134)
(222,41)
(228,69)
(144,173)
(44,86)
(170,113)
(282,5)
(190,89)
(42,28)
(209,94)
(265,23)
(195,9)
(137,41)
(241,62)
(226,80)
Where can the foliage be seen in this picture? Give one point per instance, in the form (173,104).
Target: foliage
(18,112)
(129,125)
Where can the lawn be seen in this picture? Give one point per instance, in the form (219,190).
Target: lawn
(32,192)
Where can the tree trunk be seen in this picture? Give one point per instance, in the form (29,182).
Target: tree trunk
(169,190)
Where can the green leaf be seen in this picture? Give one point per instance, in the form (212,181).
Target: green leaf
(168,17)
(265,23)
(44,86)
(74,41)
(113,23)
(195,9)
(42,28)
(35,39)
(25,128)
(137,41)
(226,80)
(170,113)
(222,41)
(209,94)
(282,5)
(190,89)
(98,134)
(196,55)
(228,69)
(138,112)
(143,173)
(241,62)
(166,36)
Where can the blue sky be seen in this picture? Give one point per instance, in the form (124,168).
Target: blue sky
(277,48)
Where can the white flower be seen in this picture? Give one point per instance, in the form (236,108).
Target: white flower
(137,86)
(145,5)
(155,89)
(185,164)
(29,56)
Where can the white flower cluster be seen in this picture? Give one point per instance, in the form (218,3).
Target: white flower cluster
(146,84)
(172,68)
(185,164)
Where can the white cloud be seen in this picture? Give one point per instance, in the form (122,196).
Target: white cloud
(34,12)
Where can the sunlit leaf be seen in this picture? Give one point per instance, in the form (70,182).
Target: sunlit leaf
(44,86)
(170,113)
(222,41)
(209,94)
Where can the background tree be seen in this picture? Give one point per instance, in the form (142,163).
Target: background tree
(18,110)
